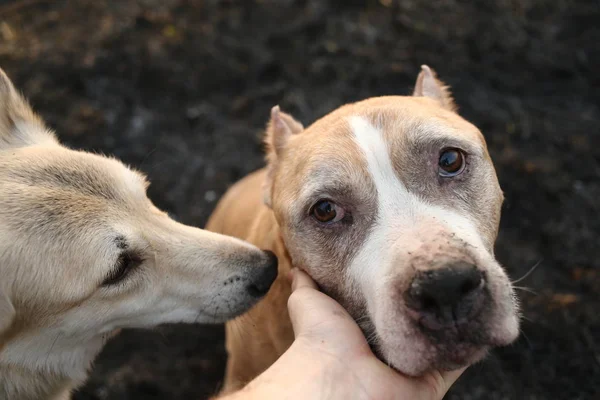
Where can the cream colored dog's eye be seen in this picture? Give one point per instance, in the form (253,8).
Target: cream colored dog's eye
(125,264)
(451,162)
(326,211)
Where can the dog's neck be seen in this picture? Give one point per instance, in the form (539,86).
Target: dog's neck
(43,366)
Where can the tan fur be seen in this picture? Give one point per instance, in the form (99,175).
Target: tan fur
(325,154)
(68,221)
(255,340)
(428,85)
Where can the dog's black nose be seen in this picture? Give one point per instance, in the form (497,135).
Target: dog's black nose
(446,297)
(264,278)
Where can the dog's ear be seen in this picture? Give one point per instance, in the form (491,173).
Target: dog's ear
(280,128)
(19,126)
(428,85)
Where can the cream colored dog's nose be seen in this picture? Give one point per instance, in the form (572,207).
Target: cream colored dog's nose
(264,277)
(446,297)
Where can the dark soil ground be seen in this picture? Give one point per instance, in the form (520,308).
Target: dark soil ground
(182,89)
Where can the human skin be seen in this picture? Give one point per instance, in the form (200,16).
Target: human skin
(330,359)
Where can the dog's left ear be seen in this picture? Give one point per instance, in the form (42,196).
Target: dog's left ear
(19,125)
(428,85)
(279,130)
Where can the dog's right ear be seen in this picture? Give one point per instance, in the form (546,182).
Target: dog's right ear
(279,130)
(19,125)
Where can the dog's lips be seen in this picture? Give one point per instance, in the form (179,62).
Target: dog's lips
(222,315)
(109,335)
(446,350)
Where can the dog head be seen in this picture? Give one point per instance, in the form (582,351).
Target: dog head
(84,252)
(392,205)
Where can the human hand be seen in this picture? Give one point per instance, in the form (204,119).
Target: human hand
(331,359)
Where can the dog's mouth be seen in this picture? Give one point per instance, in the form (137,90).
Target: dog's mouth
(223,312)
(416,350)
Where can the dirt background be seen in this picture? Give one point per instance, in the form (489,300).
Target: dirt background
(182,89)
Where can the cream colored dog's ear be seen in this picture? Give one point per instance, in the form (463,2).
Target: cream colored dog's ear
(19,125)
(7,313)
(428,85)
(280,128)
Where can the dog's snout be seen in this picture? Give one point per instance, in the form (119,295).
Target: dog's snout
(446,297)
(264,278)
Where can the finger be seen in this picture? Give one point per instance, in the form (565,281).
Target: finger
(308,307)
(301,279)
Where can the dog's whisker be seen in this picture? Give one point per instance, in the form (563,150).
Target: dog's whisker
(52,347)
(198,315)
(528,272)
(526,289)
(526,318)
(165,338)
(150,153)
(526,339)
(372,339)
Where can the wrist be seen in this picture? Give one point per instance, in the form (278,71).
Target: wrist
(297,374)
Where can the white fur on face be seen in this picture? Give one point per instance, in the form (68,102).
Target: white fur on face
(404,223)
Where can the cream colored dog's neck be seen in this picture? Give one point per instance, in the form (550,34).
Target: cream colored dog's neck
(39,367)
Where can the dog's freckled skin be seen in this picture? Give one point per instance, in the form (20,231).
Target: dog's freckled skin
(121,242)
(378,160)
(84,253)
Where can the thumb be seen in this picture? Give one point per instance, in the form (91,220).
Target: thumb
(300,279)
(313,312)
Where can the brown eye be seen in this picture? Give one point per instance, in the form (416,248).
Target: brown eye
(451,163)
(326,211)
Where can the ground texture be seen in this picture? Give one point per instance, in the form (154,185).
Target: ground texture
(182,89)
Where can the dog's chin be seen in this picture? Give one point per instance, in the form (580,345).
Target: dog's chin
(453,360)
(440,357)
(224,315)
(415,352)
(221,317)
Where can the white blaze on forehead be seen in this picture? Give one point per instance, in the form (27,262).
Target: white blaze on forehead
(398,211)
(370,140)
(390,191)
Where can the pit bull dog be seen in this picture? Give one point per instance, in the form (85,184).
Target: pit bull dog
(392,205)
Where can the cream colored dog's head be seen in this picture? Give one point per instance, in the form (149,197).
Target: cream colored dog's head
(392,204)
(84,252)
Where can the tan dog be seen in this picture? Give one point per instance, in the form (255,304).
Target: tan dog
(392,205)
(83,253)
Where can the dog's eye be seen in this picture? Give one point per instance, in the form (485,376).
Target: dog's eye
(326,211)
(451,162)
(125,264)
